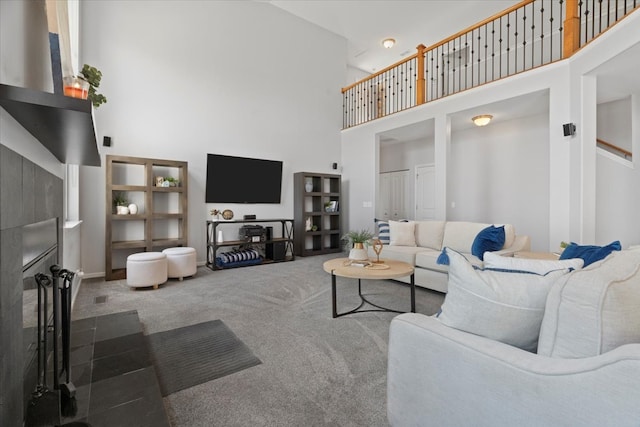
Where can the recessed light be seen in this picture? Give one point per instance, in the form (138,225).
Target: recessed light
(388,43)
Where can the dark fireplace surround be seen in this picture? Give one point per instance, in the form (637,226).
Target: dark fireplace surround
(28,195)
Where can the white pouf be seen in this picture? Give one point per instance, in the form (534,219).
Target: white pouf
(181,262)
(146,269)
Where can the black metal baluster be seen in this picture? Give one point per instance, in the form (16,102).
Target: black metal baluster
(486,47)
(500,47)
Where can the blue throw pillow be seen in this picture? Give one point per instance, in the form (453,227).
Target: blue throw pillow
(383,231)
(589,253)
(488,240)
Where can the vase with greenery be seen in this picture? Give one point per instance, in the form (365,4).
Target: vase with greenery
(357,240)
(121,203)
(93,76)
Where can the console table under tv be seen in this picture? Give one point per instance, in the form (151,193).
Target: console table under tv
(272,249)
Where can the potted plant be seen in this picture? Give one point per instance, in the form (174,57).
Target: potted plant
(172,181)
(357,240)
(121,204)
(93,76)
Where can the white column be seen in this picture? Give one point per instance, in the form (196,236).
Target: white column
(442,152)
(587,137)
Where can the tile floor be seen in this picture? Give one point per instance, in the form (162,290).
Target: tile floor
(116,383)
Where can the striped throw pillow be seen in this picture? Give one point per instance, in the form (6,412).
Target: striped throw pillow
(383,231)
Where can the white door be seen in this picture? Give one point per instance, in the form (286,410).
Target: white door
(393,201)
(425,192)
(383,205)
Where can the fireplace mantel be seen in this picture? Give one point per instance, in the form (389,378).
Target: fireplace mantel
(64,125)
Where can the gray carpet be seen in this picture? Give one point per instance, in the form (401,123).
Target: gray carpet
(192,355)
(315,371)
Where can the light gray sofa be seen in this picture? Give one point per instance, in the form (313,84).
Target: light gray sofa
(586,372)
(429,239)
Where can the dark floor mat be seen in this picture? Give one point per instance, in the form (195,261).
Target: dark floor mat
(185,357)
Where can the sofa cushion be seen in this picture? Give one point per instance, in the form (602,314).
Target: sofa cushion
(539,266)
(504,306)
(429,234)
(428,259)
(399,253)
(594,310)
(589,253)
(402,233)
(488,240)
(383,231)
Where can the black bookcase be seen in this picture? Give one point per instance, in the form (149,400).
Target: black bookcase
(317,207)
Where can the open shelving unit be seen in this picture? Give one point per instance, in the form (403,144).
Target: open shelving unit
(311,209)
(161,221)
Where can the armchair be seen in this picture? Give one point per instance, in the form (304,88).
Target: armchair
(440,376)
(586,371)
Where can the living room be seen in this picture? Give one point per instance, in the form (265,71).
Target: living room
(258,87)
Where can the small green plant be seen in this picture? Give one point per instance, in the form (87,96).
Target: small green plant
(361,236)
(93,76)
(120,200)
(172,181)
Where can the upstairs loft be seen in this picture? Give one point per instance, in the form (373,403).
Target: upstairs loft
(523,37)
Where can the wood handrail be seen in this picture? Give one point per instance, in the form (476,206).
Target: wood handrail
(384,70)
(614,147)
(421,47)
(479,24)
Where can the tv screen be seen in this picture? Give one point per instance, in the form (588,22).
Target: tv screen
(242,180)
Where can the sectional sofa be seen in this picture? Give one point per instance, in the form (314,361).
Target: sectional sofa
(420,243)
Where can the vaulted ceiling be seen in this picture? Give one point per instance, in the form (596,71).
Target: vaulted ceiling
(366,23)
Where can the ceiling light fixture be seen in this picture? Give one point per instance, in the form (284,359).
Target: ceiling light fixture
(388,43)
(482,120)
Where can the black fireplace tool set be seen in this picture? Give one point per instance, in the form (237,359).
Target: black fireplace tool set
(48,407)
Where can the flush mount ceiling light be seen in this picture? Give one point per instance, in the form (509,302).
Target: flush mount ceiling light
(388,43)
(482,120)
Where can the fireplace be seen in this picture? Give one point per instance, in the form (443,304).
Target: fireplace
(31,211)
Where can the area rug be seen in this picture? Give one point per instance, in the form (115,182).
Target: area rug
(192,355)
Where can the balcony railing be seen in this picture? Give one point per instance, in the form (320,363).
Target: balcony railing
(527,35)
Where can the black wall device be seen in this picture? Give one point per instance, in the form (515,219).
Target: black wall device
(569,129)
(334,166)
(106,141)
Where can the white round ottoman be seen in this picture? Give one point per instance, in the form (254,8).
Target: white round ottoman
(181,262)
(146,269)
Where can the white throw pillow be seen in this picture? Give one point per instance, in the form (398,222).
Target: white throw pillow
(538,266)
(503,306)
(402,233)
(595,310)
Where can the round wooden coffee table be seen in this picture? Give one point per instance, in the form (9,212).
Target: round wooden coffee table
(390,269)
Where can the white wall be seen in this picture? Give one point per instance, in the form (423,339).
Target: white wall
(500,174)
(406,155)
(187,78)
(614,122)
(617,184)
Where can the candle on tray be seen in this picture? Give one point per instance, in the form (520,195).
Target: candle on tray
(76,87)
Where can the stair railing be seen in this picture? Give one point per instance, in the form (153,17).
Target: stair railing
(615,149)
(527,35)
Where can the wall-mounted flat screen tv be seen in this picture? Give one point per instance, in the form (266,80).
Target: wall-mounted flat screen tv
(242,180)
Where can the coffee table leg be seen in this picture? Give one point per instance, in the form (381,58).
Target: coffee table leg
(333,295)
(413,294)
